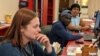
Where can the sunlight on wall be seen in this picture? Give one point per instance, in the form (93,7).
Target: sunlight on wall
(84,2)
(8,7)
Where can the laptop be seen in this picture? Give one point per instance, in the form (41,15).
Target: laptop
(88,37)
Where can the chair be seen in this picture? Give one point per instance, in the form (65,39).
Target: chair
(46,29)
(1,38)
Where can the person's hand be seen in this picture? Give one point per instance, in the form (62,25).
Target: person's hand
(78,27)
(86,27)
(45,41)
(92,45)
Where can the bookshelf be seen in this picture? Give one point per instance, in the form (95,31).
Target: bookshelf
(43,7)
(39,10)
(50,12)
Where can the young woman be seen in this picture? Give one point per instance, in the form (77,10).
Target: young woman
(23,37)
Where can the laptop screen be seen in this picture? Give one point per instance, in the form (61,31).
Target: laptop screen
(97,22)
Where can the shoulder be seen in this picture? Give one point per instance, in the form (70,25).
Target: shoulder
(57,25)
(6,45)
(8,49)
(77,17)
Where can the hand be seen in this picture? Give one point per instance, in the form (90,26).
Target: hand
(78,27)
(93,45)
(45,41)
(86,27)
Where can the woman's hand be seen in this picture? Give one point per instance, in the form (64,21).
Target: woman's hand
(45,41)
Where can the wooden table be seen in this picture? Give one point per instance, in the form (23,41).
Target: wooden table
(72,43)
(4,28)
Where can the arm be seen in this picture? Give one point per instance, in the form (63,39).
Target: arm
(45,41)
(38,50)
(83,26)
(67,35)
(71,27)
(82,23)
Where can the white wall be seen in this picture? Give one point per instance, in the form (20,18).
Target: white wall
(84,13)
(93,6)
(56,10)
(8,7)
(71,2)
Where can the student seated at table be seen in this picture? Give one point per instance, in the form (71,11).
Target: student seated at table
(23,37)
(76,22)
(59,32)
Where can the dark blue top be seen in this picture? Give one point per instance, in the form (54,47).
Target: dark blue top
(59,33)
(7,49)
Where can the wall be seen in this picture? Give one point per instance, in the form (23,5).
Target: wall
(71,2)
(8,7)
(84,13)
(56,10)
(63,4)
(93,6)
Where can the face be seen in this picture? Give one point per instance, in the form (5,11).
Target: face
(68,22)
(75,11)
(31,30)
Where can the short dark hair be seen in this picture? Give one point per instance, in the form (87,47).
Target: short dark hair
(75,5)
(65,17)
